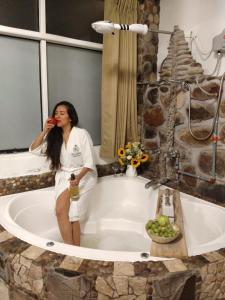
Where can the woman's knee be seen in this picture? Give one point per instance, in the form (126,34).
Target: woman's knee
(60,211)
(62,206)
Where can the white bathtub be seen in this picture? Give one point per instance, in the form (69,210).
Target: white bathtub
(114,231)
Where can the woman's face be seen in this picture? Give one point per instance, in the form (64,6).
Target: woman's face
(62,116)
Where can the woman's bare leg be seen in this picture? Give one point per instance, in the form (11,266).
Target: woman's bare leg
(76,233)
(62,214)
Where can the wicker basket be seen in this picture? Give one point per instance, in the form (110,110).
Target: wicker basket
(162,239)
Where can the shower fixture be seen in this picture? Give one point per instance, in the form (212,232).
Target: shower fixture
(109,27)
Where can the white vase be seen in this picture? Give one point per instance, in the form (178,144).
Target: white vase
(131,171)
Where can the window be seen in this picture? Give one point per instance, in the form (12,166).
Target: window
(20,14)
(75,75)
(40,66)
(20,92)
(73,19)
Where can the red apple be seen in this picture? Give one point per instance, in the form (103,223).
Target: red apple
(53,121)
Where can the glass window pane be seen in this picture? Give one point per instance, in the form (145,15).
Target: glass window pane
(20,113)
(75,75)
(20,14)
(73,18)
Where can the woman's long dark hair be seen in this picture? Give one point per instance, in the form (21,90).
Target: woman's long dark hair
(55,135)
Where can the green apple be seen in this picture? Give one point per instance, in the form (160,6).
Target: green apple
(163,220)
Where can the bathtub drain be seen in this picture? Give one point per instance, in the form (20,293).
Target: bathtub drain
(144,255)
(50,244)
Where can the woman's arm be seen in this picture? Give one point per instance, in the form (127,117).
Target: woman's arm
(40,138)
(88,157)
(38,141)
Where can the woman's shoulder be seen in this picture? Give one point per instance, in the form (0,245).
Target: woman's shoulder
(81,131)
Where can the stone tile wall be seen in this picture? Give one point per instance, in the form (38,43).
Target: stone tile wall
(148,13)
(26,183)
(165,125)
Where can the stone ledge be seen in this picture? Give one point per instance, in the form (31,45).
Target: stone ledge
(33,269)
(175,265)
(33,182)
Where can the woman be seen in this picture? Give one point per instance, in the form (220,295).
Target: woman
(70,150)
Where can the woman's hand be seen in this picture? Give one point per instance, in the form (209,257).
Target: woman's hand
(75,182)
(78,177)
(48,125)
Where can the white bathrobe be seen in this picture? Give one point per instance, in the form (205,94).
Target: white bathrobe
(78,153)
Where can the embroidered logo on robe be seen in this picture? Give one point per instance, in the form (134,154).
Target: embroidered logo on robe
(76,151)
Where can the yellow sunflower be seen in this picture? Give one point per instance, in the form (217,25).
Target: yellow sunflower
(121,152)
(144,157)
(121,162)
(135,162)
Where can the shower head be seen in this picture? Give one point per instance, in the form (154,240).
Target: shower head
(103,26)
(109,27)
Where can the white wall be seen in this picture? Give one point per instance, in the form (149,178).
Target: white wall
(204,18)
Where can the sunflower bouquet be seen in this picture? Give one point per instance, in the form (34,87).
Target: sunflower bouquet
(132,154)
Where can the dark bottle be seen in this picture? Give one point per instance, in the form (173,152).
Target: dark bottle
(74,190)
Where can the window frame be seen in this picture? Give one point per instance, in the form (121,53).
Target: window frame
(44,38)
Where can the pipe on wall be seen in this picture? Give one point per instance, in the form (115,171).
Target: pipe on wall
(215,139)
(185,86)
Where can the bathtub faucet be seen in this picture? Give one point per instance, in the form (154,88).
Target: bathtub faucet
(156,183)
